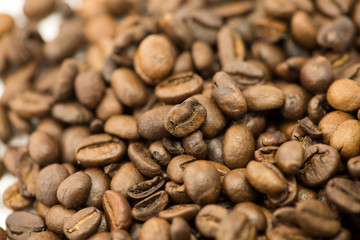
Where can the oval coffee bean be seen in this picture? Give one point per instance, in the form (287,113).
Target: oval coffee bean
(346,138)
(180,229)
(56,216)
(21,225)
(151,206)
(43,148)
(74,190)
(146,188)
(177,192)
(71,113)
(185,118)
(46,235)
(254,213)
(155,228)
(353,167)
(89,88)
(202,182)
(177,88)
(238,146)
(100,182)
(289,157)
(209,218)
(342,95)
(123,126)
(185,211)
(99,150)
(117,210)
(263,97)
(82,224)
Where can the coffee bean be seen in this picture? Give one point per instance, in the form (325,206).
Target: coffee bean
(317,219)
(185,118)
(270,138)
(123,126)
(70,138)
(71,113)
(105,148)
(46,235)
(304,29)
(283,232)
(255,122)
(99,184)
(56,216)
(150,206)
(43,148)
(347,146)
(13,199)
(47,183)
(177,88)
(146,188)
(270,54)
(82,224)
(343,193)
(160,153)
(108,105)
(202,182)
(155,228)
(183,63)
(74,190)
(285,216)
(117,210)
(177,192)
(89,88)
(51,127)
(316,157)
(209,218)
(289,157)
(230,45)
(344,102)
(100,26)
(179,229)
(263,97)
(353,166)
(266,154)
(125,177)
(290,68)
(37,9)
(20,225)
(317,108)
(185,211)
(238,146)
(6,132)
(7,23)
(254,213)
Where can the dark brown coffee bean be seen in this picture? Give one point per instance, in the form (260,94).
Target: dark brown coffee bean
(173,146)
(146,188)
(64,83)
(316,75)
(89,88)
(82,224)
(74,190)
(99,184)
(46,235)
(151,206)
(151,123)
(177,192)
(185,211)
(177,88)
(128,88)
(6,132)
(258,101)
(209,218)
(271,138)
(160,153)
(47,183)
(71,113)
(43,148)
(195,145)
(215,120)
(125,177)
(266,154)
(117,210)
(321,162)
(12,198)
(266,178)
(154,58)
(344,102)
(180,229)
(286,232)
(317,108)
(317,219)
(227,96)
(202,182)
(70,138)
(347,146)
(56,216)
(344,194)
(237,188)
(99,150)
(185,118)
(108,105)
(176,167)
(238,146)
(289,157)
(353,167)
(20,225)
(214,146)
(123,126)
(38,9)
(236,225)
(202,56)
(155,228)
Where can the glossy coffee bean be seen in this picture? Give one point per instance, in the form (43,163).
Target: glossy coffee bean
(337,98)
(347,146)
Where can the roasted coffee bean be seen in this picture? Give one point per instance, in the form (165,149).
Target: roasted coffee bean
(209,218)
(353,167)
(142,160)
(150,206)
(6,132)
(37,9)
(321,162)
(185,118)
(82,224)
(47,183)
(154,59)
(344,194)
(263,97)
(227,96)
(180,229)
(160,153)
(285,216)
(266,154)
(117,210)
(20,225)
(173,146)
(330,122)
(51,127)
(286,232)
(346,137)
(177,192)
(146,188)
(151,123)
(270,138)
(100,26)
(7,23)
(345,102)
(215,153)
(128,88)
(41,209)
(123,126)
(56,216)
(255,122)
(317,108)
(125,177)
(317,219)
(71,113)
(183,63)
(238,146)
(176,167)
(185,211)
(236,225)
(99,184)
(74,190)
(13,199)
(290,68)
(202,56)
(270,54)
(177,88)
(195,145)
(89,88)
(266,178)
(108,105)
(48,152)
(289,157)
(304,29)
(70,138)
(202,182)
(99,150)
(46,235)
(254,213)
(237,188)
(155,228)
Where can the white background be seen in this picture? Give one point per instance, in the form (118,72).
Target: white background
(48,29)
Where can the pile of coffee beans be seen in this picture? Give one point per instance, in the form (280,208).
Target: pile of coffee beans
(183,120)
